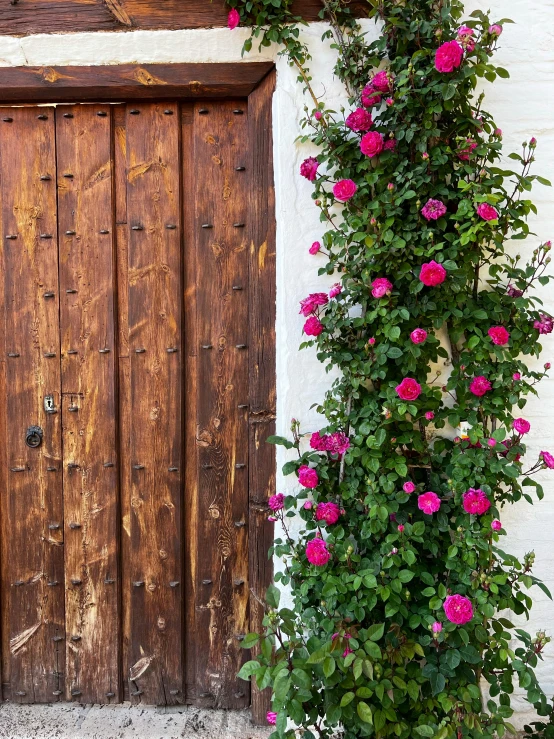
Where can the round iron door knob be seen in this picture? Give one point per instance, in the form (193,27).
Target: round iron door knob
(33,437)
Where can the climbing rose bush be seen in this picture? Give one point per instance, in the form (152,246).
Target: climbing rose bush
(401,586)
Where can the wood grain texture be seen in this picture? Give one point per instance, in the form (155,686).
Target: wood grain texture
(91,500)
(155,294)
(221,569)
(51,16)
(129,81)
(32,514)
(262,358)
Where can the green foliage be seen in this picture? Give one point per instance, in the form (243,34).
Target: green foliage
(359,650)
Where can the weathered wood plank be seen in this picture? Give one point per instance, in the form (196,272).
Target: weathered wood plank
(129,81)
(221,197)
(32,500)
(91,510)
(262,357)
(155,295)
(51,16)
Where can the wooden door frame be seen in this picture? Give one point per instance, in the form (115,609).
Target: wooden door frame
(256,82)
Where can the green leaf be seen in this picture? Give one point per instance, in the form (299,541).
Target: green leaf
(328,666)
(364,712)
(249,641)
(280,440)
(272,596)
(346,699)
(248,669)
(425,731)
(438,682)
(375,631)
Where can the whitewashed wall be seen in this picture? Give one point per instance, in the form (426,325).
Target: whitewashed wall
(523,107)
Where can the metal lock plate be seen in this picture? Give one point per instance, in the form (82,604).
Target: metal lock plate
(33,437)
(49,405)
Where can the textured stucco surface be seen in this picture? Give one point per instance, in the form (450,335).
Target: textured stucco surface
(523,107)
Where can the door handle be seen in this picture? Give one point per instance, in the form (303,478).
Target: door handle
(33,437)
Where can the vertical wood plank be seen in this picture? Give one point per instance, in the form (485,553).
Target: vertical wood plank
(262,358)
(32,499)
(4,520)
(221,554)
(87,285)
(155,297)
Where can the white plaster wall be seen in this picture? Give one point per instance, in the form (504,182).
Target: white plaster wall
(523,107)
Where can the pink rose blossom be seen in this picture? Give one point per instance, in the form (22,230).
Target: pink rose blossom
(382,81)
(465,38)
(498,132)
(359,120)
(389,101)
(347,651)
(521,426)
(318,115)
(479,386)
(370,97)
(465,153)
(448,56)
(271,519)
(344,190)
(271,718)
(491,442)
(337,443)
(233,19)
(400,528)
(547,459)
(487,212)
(276,502)
(310,304)
(495,29)
(513,292)
(499,335)
(317,552)
(436,628)
(314,248)
(496,524)
(335,290)
(308,505)
(418,335)
(409,389)
(547,365)
(516,376)
(371,341)
(390,145)
(328,512)
(307,476)
(429,415)
(390,186)
(432,274)
(476,502)
(308,168)
(428,503)
(544,324)
(371,144)
(381,287)
(458,609)
(408,487)
(433,210)
(313,326)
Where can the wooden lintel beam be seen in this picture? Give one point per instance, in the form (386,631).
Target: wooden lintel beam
(130,81)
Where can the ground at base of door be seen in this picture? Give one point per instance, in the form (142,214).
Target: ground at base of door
(75,721)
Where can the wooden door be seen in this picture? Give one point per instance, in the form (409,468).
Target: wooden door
(129,266)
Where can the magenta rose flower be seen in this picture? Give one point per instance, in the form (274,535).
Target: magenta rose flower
(308,168)
(432,274)
(544,324)
(312,302)
(458,609)
(314,248)
(487,212)
(408,487)
(496,525)
(233,19)
(370,97)
(271,718)
(381,287)
(448,56)
(465,38)
(418,335)
(343,190)
(409,389)
(465,153)
(495,29)
(429,415)
(382,81)
(428,503)
(390,144)
(476,502)
(307,476)
(276,502)
(317,552)
(547,459)
(371,144)
(433,210)
(436,628)
(521,426)
(337,443)
(513,292)
(479,386)
(359,120)
(335,290)
(499,335)
(328,512)
(313,326)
